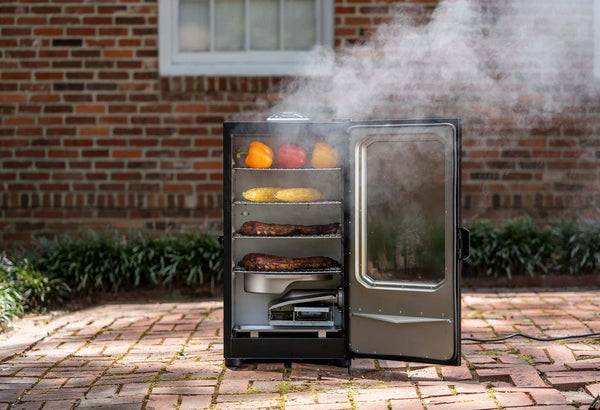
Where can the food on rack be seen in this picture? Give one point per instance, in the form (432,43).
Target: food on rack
(324,156)
(275,194)
(259,155)
(291,156)
(262,194)
(271,263)
(255,228)
(298,194)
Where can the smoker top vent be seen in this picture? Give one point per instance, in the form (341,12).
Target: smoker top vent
(288,116)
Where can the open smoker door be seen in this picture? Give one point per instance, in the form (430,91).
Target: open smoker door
(404,294)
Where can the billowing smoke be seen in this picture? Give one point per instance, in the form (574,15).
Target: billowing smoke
(479,58)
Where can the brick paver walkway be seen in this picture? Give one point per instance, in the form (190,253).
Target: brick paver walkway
(169,355)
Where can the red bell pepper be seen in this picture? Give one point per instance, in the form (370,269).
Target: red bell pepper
(291,156)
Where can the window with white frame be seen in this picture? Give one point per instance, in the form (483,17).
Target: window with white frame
(245,37)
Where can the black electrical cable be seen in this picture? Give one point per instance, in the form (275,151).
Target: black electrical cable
(595,404)
(539,339)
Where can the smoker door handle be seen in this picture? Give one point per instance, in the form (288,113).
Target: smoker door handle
(464,243)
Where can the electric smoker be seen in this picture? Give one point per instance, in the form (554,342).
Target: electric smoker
(391,289)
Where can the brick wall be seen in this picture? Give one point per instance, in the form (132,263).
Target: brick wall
(92,137)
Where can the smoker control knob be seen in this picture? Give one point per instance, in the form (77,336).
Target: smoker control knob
(288,116)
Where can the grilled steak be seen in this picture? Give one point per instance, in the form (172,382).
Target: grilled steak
(269,263)
(254,228)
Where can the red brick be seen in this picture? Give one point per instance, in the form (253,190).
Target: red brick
(118,53)
(55,153)
(513,399)
(14,143)
(15,75)
(462,401)
(208,165)
(12,98)
(233,386)
(406,404)
(547,397)
(560,354)
(94,131)
(456,373)
(44,98)
(127,153)
(196,402)
(90,108)
(484,153)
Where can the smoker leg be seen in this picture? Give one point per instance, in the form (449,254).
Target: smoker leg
(233,362)
(342,362)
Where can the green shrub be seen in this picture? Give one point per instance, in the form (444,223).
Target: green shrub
(109,262)
(519,246)
(10,304)
(576,247)
(22,288)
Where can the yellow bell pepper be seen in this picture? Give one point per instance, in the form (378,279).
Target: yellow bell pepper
(324,156)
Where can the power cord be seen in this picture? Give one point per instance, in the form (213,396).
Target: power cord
(595,404)
(539,339)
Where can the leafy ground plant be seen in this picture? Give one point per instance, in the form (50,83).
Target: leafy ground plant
(10,304)
(519,246)
(109,261)
(23,288)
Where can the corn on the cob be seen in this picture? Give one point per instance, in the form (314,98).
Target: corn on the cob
(261,194)
(298,195)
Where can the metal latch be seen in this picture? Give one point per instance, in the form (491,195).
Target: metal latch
(464,243)
(288,116)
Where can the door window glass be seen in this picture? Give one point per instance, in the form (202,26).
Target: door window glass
(405,210)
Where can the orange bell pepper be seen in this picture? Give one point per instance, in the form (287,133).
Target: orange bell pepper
(259,155)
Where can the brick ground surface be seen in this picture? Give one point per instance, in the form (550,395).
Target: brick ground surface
(168,355)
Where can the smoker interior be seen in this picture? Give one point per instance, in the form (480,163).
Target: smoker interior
(276,315)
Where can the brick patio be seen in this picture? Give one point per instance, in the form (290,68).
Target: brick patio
(169,355)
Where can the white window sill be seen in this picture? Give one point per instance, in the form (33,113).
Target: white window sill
(310,64)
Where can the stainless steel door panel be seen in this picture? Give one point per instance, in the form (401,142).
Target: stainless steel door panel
(403,277)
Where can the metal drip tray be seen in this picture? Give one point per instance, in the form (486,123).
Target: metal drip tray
(262,282)
(255,331)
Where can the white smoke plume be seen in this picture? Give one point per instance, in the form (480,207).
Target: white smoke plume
(473,58)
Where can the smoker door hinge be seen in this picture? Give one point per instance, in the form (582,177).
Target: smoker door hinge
(464,243)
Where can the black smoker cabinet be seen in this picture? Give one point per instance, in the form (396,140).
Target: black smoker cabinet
(394,292)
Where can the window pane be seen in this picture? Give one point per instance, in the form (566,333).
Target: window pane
(229,25)
(194,25)
(264,24)
(406,211)
(300,24)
